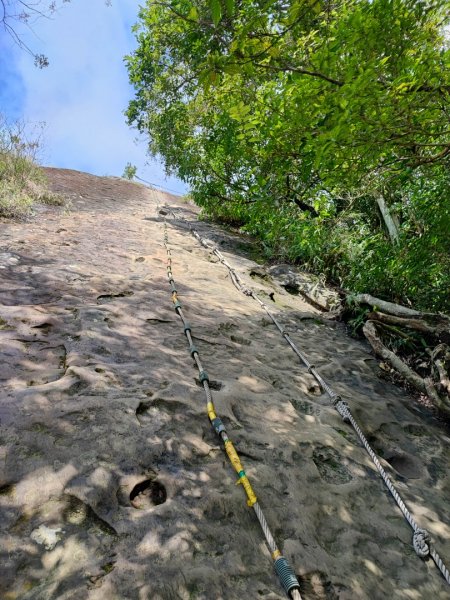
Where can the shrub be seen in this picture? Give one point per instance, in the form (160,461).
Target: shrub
(22,181)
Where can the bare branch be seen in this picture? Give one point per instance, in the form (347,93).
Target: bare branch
(425,386)
(388,307)
(18,11)
(417,324)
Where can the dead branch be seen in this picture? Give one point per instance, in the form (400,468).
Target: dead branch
(444,380)
(390,357)
(387,307)
(422,385)
(418,324)
(391,328)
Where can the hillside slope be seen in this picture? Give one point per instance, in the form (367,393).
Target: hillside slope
(113,484)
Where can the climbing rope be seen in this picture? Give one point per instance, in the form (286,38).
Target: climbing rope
(421,540)
(285,573)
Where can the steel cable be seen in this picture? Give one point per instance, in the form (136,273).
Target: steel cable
(285,573)
(421,537)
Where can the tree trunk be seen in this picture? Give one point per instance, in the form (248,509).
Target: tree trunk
(388,220)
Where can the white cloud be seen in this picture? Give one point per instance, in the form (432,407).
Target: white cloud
(82,94)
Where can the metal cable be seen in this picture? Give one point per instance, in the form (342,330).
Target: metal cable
(285,573)
(421,537)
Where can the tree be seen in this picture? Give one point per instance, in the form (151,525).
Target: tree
(129,172)
(299,120)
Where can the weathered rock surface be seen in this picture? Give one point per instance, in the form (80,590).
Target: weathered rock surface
(113,484)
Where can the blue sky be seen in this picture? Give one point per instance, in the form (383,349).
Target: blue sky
(81,96)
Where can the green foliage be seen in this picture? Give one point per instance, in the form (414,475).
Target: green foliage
(129,172)
(292,119)
(22,182)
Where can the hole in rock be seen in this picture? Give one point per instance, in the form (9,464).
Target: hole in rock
(405,466)
(314,389)
(105,298)
(6,489)
(316,585)
(44,327)
(258,273)
(214,385)
(330,465)
(143,407)
(416,430)
(292,288)
(148,493)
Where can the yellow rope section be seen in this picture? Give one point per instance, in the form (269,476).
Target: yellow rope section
(211,411)
(243,479)
(285,574)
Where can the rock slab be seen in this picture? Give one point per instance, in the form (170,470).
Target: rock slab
(112,482)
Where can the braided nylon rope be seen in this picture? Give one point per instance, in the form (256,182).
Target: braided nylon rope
(421,537)
(287,577)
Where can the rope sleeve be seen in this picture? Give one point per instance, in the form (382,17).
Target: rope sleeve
(286,575)
(203,376)
(243,479)
(211,411)
(248,490)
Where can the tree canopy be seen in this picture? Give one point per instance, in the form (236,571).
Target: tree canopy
(322,126)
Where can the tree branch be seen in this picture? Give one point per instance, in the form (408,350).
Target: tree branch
(418,324)
(425,386)
(389,307)
(290,69)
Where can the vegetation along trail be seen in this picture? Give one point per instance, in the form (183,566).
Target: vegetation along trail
(114,484)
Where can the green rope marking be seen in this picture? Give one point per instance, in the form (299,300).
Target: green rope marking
(421,537)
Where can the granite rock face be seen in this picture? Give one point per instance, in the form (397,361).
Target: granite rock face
(112,482)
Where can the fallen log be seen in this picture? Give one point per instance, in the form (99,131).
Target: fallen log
(442,326)
(423,385)
(387,307)
(398,310)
